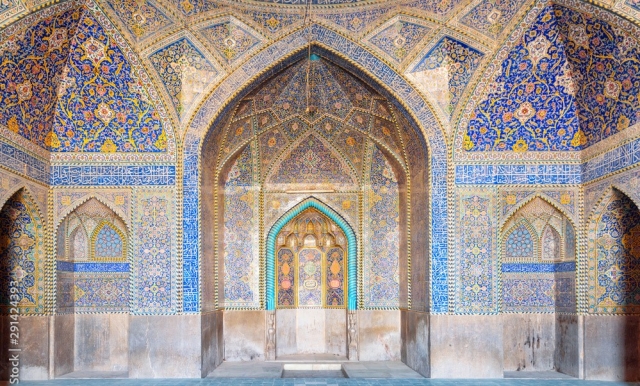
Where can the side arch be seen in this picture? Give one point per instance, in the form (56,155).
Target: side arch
(610,286)
(60,217)
(533,235)
(635,198)
(507,217)
(311,202)
(22,248)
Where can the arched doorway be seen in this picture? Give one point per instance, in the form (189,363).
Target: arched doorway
(356,153)
(311,286)
(22,281)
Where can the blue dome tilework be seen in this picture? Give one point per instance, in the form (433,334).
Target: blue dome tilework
(529,106)
(567,85)
(101,106)
(32,60)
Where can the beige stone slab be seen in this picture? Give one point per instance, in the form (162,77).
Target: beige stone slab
(310,331)
(244,335)
(312,366)
(379,335)
(466,346)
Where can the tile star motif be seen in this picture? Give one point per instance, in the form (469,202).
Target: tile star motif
(399,38)
(231,39)
(445,70)
(142,18)
(357,21)
(194,7)
(274,22)
(185,72)
(491,16)
(438,7)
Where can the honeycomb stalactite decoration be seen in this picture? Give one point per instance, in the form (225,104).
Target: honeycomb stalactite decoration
(311,263)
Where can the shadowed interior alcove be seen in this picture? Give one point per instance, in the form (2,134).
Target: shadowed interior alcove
(92,266)
(22,276)
(613,258)
(538,289)
(354,152)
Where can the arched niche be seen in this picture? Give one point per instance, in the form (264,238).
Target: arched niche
(613,288)
(257,136)
(311,280)
(538,278)
(614,252)
(22,256)
(24,282)
(93,279)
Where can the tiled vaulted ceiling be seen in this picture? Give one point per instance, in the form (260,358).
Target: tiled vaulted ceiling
(187,47)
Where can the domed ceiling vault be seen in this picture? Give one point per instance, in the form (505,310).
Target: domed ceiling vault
(446,49)
(345,115)
(567,80)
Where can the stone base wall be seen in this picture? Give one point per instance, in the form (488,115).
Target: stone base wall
(439,346)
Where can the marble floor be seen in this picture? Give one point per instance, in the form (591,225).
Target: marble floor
(265,370)
(319,371)
(320,382)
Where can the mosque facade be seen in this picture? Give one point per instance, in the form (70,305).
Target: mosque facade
(453,184)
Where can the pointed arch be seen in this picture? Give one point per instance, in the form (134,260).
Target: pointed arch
(204,127)
(78,244)
(620,188)
(513,232)
(613,231)
(550,243)
(111,218)
(118,242)
(9,194)
(311,202)
(60,217)
(22,233)
(507,217)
